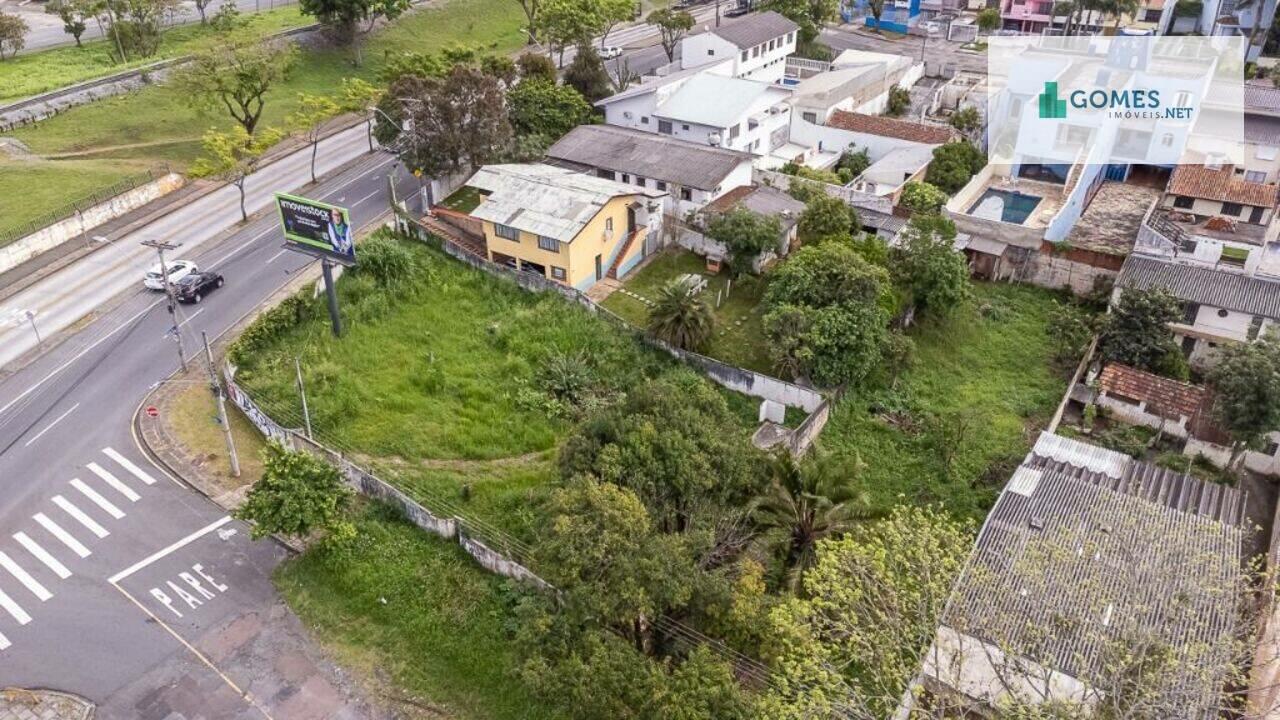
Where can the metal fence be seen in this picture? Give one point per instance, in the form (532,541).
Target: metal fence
(97,197)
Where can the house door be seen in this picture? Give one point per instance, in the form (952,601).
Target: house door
(599,267)
(631,220)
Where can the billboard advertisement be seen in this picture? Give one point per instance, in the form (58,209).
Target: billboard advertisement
(317,227)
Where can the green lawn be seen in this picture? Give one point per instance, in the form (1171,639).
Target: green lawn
(157,125)
(38,72)
(464,199)
(985,370)
(30,190)
(739,332)
(410,607)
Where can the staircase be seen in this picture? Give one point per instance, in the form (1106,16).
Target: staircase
(617,259)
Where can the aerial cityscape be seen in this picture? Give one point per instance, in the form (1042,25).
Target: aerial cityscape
(639,360)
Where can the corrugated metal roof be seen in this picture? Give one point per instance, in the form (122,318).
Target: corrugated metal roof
(716,100)
(1207,286)
(755,28)
(647,154)
(545,200)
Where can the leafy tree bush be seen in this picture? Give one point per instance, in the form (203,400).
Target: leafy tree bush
(298,495)
(672,442)
(539,108)
(76,14)
(1070,331)
(808,173)
(966,120)
(1136,332)
(745,235)
(827,314)
(587,75)
(899,101)
(926,264)
(342,18)
(672,26)
(1246,387)
(988,20)
(954,164)
(387,261)
(681,318)
(536,66)
(854,161)
(922,197)
(237,76)
(13,34)
(825,216)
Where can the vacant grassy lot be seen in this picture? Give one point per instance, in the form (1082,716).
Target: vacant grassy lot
(416,610)
(739,337)
(965,414)
(156,124)
(39,72)
(31,189)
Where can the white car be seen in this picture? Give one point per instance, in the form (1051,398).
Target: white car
(610,52)
(178,269)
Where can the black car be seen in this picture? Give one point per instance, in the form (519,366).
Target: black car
(194,287)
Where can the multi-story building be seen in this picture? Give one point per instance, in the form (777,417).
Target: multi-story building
(757,46)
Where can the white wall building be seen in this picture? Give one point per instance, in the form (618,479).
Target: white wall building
(757,45)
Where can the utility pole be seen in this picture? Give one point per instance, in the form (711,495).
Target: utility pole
(331,293)
(31,318)
(302,391)
(160,247)
(222,407)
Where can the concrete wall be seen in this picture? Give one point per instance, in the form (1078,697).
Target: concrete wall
(1219,455)
(1056,272)
(803,437)
(1138,415)
(41,241)
(865,201)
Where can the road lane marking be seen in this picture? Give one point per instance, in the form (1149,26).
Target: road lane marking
(79,515)
(111,480)
(14,609)
(56,530)
(97,499)
(50,425)
(42,555)
(4,642)
(191,317)
(127,464)
(24,577)
(366,197)
(165,551)
(273,257)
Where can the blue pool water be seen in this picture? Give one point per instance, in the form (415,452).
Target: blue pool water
(1006,205)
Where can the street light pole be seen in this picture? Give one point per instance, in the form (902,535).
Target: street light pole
(160,246)
(222,408)
(31,317)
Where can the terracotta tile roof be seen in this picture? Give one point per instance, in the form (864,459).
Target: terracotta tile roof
(1222,185)
(891,127)
(1164,397)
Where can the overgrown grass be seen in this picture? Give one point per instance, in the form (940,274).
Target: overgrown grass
(985,373)
(414,607)
(464,199)
(739,336)
(46,70)
(32,189)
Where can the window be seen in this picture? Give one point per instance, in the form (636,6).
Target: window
(558,273)
(744,56)
(810,117)
(1255,328)
(734,131)
(640,181)
(1182,99)
(1189,312)
(606,174)
(660,184)
(772,44)
(685,127)
(1255,217)
(506,231)
(1255,176)
(1231,209)
(791,36)
(644,120)
(1183,202)
(711,51)
(608,224)
(664,127)
(1167,140)
(549,244)
(1272,447)
(686,194)
(626,178)
(755,51)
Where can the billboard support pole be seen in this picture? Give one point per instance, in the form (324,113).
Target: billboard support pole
(331,292)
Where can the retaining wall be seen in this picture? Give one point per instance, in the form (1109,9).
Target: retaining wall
(50,237)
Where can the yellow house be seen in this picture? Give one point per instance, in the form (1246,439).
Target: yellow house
(569,227)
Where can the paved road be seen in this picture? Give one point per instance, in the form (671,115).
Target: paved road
(116,582)
(46,30)
(936,50)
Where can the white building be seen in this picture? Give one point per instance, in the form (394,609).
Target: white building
(708,108)
(757,45)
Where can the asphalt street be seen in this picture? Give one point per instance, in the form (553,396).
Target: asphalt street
(117,582)
(935,50)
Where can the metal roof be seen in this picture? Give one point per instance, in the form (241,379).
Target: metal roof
(716,100)
(545,200)
(650,83)
(648,155)
(1207,286)
(1074,558)
(755,29)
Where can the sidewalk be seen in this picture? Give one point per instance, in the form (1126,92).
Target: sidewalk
(19,704)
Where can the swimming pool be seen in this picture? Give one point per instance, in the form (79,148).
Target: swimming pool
(1008,206)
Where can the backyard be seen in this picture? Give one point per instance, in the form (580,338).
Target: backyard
(739,333)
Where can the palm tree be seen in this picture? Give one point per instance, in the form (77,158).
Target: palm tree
(681,318)
(1062,7)
(806,503)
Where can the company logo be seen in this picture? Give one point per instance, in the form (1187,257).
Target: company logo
(1050,106)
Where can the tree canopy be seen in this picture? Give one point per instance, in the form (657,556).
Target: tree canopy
(927,265)
(298,495)
(1246,388)
(237,76)
(825,216)
(745,235)
(953,165)
(672,26)
(546,110)
(1136,332)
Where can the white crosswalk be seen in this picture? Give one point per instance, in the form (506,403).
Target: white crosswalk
(63,532)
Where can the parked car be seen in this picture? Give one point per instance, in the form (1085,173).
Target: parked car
(178,269)
(737,11)
(610,52)
(194,287)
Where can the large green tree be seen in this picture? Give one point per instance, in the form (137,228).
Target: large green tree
(298,495)
(13,34)
(681,318)
(827,217)
(546,109)
(926,264)
(237,76)
(587,75)
(745,235)
(1246,390)
(1136,332)
(76,14)
(953,165)
(672,26)
(342,18)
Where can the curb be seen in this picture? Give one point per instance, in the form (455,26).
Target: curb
(27,701)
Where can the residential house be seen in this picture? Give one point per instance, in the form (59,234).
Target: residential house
(1261,161)
(899,150)
(1219,306)
(760,199)
(1238,18)
(757,46)
(693,174)
(706,107)
(570,227)
(1177,409)
(1081,554)
(856,81)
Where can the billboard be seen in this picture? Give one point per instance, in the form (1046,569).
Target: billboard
(317,227)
